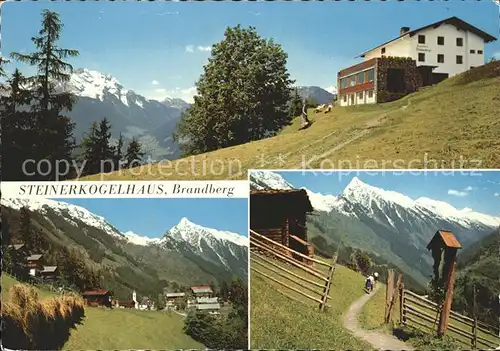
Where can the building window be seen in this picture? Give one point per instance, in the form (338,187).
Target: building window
(460,42)
(421,39)
(361,77)
(352,81)
(480,52)
(370,94)
(440,40)
(370,75)
(421,57)
(360,95)
(473,51)
(440,58)
(383,51)
(345,98)
(343,83)
(460,59)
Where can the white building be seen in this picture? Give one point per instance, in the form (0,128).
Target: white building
(452,46)
(433,53)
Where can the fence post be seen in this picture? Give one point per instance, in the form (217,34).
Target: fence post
(402,305)
(389,292)
(328,284)
(474,325)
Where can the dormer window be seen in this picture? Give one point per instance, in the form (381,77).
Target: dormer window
(383,51)
(421,39)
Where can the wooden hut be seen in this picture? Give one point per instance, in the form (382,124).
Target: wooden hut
(34,264)
(49,273)
(281,215)
(97,298)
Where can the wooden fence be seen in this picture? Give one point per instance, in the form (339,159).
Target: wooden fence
(423,314)
(303,278)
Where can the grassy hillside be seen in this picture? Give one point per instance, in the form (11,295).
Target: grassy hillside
(452,122)
(117,329)
(277,322)
(479,266)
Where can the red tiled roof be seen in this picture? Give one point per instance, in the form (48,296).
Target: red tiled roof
(95,292)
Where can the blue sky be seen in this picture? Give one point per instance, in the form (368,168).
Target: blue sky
(153,217)
(159,48)
(478,190)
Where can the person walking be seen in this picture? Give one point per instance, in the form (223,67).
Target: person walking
(369,284)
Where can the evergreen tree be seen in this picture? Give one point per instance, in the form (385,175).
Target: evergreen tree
(17,127)
(134,154)
(119,153)
(242,95)
(25,228)
(295,105)
(224,291)
(99,155)
(54,140)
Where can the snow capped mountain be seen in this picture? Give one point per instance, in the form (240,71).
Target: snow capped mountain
(221,249)
(218,247)
(194,233)
(261,180)
(371,199)
(134,116)
(70,213)
(387,223)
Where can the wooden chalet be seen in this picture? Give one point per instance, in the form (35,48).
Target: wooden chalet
(34,264)
(97,298)
(49,273)
(281,215)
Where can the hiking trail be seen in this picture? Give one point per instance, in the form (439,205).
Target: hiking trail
(372,123)
(379,340)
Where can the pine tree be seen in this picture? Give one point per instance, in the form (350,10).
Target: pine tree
(134,154)
(26,229)
(18,131)
(243,94)
(91,151)
(99,155)
(295,105)
(54,140)
(119,153)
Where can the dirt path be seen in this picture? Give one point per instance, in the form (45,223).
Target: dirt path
(374,122)
(379,340)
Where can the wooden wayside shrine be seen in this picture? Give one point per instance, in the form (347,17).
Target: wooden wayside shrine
(444,246)
(281,215)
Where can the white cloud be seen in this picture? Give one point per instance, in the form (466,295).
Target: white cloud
(457,193)
(496,194)
(469,188)
(201,48)
(155,82)
(332,89)
(204,48)
(185,94)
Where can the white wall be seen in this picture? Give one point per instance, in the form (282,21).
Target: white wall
(358,100)
(401,47)
(409,47)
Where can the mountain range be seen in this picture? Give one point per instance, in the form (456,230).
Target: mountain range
(322,96)
(385,223)
(187,254)
(151,122)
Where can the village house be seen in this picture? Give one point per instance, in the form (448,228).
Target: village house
(128,303)
(211,308)
(281,216)
(34,264)
(202,291)
(415,58)
(49,273)
(172,298)
(97,297)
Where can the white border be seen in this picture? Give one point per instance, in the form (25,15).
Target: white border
(126,189)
